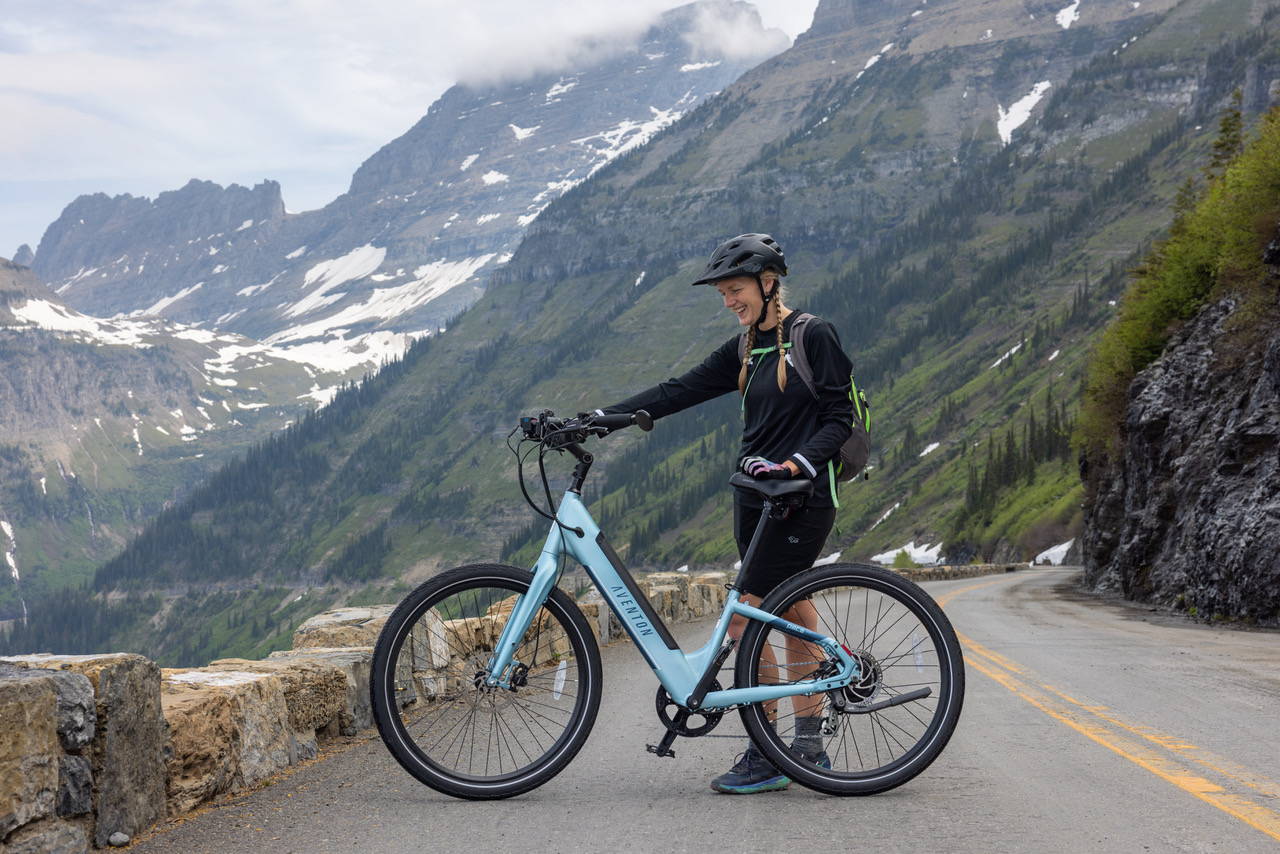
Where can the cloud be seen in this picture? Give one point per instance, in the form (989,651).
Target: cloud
(145,94)
(732,31)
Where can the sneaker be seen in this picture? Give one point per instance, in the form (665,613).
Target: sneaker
(817,757)
(750,774)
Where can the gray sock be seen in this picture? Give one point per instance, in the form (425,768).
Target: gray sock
(808,735)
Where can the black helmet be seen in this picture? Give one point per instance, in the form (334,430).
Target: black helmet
(744,255)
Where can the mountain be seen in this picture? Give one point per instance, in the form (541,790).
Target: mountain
(960,191)
(104,421)
(134,369)
(426,220)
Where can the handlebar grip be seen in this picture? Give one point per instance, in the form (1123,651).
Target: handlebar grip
(641,419)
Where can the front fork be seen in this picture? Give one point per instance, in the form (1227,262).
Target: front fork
(545,575)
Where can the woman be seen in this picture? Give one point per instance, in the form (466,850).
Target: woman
(787,431)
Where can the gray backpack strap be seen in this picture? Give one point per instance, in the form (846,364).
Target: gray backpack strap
(799,360)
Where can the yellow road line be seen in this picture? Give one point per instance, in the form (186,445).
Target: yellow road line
(1091,721)
(1181,746)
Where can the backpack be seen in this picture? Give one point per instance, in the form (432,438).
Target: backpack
(852,458)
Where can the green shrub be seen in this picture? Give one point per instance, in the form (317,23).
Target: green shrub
(902,560)
(1213,249)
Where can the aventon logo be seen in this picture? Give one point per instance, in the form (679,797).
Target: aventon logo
(628,606)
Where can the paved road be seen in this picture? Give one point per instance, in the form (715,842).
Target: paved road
(1087,727)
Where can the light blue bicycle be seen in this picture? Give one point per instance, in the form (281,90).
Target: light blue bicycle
(486,679)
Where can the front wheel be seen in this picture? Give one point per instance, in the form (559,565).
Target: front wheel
(448,728)
(885,727)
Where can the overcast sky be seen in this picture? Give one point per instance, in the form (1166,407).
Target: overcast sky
(139,96)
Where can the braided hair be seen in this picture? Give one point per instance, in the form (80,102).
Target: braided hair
(774,297)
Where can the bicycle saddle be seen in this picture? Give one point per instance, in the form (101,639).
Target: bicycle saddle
(773,488)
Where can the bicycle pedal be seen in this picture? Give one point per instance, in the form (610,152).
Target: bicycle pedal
(659,750)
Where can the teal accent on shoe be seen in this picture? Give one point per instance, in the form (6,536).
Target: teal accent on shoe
(752,773)
(773,784)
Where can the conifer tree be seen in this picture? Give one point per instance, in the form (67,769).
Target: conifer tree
(1230,141)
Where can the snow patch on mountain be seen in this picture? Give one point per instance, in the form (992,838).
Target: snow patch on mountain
(52,317)
(493,176)
(923,554)
(523,133)
(1007,121)
(886,515)
(164,302)
(559,88)
(1055,554)
(1007,354)
(382,304)
(626,135)
(1069,15)
(466,163)
(698,66)
(356,264)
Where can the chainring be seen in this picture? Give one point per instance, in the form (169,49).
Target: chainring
(669,710)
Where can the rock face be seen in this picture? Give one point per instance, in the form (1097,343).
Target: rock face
(24,256)
(1189,516)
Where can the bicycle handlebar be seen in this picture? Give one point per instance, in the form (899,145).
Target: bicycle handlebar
(557,432)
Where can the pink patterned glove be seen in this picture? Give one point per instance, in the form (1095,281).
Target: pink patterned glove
(763,469)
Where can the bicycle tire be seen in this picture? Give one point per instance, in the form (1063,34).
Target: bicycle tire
(892,611)
(433,717)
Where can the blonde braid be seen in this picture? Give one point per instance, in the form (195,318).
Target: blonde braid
(782,354)
(746,359)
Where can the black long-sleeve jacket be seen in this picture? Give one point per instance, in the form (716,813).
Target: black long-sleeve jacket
(777,425)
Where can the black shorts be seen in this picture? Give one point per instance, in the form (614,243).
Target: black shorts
(787,546)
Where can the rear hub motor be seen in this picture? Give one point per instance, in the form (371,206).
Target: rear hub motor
(863,689)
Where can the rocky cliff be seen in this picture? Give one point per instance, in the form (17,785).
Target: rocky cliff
(1189,515)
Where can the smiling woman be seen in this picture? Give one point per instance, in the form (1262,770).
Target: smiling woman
(793,429)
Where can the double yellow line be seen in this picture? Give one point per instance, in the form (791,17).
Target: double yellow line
(1172,759)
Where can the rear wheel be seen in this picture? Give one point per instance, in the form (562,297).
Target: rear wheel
(440,720)
(890,723)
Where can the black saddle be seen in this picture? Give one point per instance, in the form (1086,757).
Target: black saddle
(773,489)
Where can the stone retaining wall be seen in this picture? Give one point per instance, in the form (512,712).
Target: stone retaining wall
(103,746)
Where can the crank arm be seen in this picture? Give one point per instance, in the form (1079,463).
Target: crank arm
(918,694)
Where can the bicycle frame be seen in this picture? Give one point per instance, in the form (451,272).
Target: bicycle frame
(679,672)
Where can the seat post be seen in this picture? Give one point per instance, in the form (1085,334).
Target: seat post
(765,513)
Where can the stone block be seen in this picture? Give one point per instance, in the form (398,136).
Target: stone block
(127,754)
(343,627)
(679,580)
(356,664)
(228,729)
(29,750)
(50,836)
(315,692)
